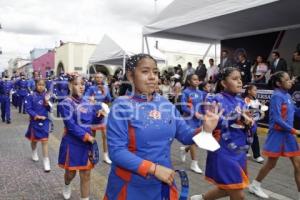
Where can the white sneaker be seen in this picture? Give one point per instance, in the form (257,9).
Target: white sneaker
(259,159)
(197,197)
(67,191)
(183,154)
(248,155)
(34,155)
(47,164)
(195,167)
(106,158)
(258,191)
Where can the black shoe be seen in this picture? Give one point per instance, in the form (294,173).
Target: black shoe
(3,120)
(8,122)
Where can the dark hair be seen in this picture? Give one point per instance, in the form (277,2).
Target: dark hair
(225,51)
(134,60)
(247,89)
(203,84)
(188,80)
(211,59)
(276,53)
(72,77)
(189,63)
(276,77)
(223,75)
(38,80)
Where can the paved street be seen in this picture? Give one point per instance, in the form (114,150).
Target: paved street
(22,179)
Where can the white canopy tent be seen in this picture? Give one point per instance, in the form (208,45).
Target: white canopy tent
(211,21)
(110,52)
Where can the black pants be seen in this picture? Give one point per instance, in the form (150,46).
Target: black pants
(255,146)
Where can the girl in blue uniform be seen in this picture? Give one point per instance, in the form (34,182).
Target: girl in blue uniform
(140,131)
(99,93)
(78,115)
(191,100)
(226,167)
(37,106)
(281,140)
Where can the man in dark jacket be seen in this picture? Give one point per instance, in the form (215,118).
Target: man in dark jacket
(277,63)
(201,70)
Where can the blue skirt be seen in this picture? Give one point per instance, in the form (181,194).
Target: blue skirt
(280,143)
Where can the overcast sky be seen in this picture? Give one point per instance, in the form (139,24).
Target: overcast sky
(28,24)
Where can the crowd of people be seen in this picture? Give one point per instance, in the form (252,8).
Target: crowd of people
(148,110)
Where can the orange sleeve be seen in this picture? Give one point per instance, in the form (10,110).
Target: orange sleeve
(144,167)
(86,137)
(294,131)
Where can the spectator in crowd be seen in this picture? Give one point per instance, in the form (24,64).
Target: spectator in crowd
(212,72)
(225,61)
(188,71)
(179,70)
(277,63)
(294,69)
(245,67)
(165,88)
(259,70)
(201,70)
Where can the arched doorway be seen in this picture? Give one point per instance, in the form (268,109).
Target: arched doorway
(60,68)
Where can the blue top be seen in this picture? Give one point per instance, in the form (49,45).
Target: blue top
(35,105)
(282,110)
(233,135)
(140,131)
(5,87)
(78,115)
(192,100)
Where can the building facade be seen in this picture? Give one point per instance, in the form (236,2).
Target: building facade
(73,57)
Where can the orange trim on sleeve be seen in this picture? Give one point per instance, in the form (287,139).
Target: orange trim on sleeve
(198,130)
(86,137)
(294,131)
(144,167)
(217,134)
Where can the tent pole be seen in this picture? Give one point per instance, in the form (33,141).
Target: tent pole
(147,45)
(143,44)
(207,50)
(215,52)
(124,63)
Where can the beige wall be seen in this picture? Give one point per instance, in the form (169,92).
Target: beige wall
(74,56)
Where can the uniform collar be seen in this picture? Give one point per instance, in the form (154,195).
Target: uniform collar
(143,97)
(76,99)
(281,91)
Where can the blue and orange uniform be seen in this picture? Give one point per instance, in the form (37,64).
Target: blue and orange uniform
(139,134)
(61,91)
(281,140)
(100,96)
(38,130)
(226,167)
(22,92)
(78,115)
(5,87)
(192,100)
